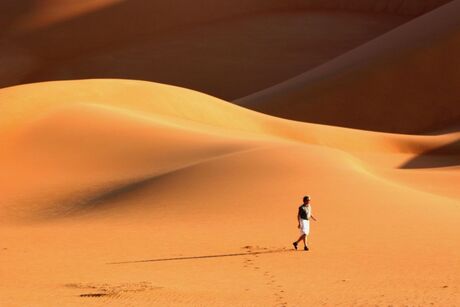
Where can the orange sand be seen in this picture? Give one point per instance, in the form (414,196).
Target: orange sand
(118,192)
(102,171)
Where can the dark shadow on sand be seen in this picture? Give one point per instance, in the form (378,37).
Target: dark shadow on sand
(13,10)
(444,156)
(206,256)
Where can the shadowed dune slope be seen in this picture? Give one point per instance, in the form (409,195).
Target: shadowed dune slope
(191,44)
(102,171)
(73,154)
(255,50)
(405,81)
(403,7)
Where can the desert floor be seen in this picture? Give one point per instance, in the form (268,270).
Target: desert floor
(117,192)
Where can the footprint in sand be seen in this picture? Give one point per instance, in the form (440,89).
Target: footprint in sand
(250,261)
(93,294)
(97,290)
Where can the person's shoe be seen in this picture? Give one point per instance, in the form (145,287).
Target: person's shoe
(306,248)
(295,245)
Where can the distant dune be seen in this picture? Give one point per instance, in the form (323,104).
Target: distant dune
(404,81)
(100,171)
(256,43)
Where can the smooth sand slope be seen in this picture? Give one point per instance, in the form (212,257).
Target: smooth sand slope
(411,67)
(107,171)
(199,44)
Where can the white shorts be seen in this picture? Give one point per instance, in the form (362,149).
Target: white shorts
(304,227)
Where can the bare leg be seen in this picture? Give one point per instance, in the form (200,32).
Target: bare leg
(305,240)
(301,238)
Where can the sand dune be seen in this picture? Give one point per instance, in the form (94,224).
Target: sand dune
(195,45)
(103,171)
(385,78)
(74,155)
(119,192)
(179,105)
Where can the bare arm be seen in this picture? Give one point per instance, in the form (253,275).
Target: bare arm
(314,219)
(298,220)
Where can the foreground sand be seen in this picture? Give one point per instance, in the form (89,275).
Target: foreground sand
(99,172)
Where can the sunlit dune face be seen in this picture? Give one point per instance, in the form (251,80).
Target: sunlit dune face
(46,12)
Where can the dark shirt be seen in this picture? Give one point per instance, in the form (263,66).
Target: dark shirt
(303,212)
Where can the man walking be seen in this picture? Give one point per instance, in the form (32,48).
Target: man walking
(303,217)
